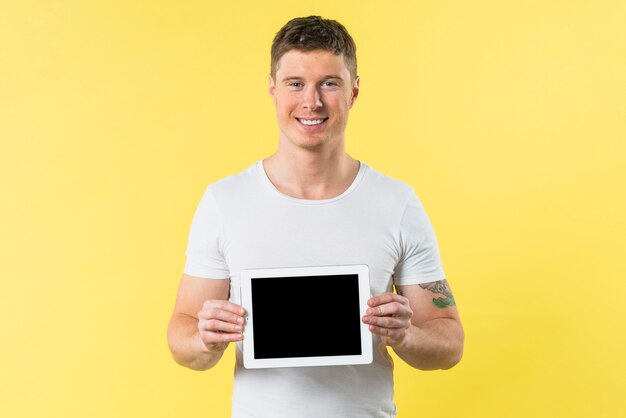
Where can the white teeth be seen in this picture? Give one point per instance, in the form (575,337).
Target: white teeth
(312,122)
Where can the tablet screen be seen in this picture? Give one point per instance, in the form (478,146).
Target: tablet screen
(306,316)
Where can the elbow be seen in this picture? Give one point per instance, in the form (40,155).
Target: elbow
(185,351)
(173,346)
(187,360)
(453,361)
(455,353)
(176,347)
(173,343)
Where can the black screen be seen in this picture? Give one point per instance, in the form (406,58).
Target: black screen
(306,316)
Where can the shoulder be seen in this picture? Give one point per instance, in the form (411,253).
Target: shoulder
(234,185)
(391,188)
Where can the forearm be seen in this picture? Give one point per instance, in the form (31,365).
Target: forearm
(186,346)
(436,344)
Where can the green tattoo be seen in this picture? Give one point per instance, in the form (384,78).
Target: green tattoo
(441,287)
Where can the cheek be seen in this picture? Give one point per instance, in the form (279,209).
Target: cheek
(286,106)
(339,110)
(337,102)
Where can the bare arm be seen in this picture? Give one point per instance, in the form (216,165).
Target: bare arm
(421,323)
(203,322)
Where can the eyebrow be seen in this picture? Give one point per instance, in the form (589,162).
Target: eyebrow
(326,77)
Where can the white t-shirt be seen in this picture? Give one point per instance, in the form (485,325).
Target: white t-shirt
(244,222)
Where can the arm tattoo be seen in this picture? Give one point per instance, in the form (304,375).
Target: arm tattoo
(441,287)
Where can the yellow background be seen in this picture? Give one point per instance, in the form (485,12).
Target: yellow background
(508,118)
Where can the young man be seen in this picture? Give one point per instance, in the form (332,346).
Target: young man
(310,204)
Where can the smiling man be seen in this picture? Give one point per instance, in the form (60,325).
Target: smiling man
(309,204)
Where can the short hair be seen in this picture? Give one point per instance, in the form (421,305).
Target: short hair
(314,33)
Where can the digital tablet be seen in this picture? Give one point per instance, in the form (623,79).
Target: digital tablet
(306,316)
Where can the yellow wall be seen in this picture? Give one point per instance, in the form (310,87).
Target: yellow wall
(508,118)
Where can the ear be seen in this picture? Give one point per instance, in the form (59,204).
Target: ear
(355,91)
(272,88)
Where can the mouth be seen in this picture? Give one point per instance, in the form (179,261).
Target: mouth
(311,122)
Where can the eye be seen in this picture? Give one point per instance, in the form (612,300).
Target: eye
(330,83)
(294,84)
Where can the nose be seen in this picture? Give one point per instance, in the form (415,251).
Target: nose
(311,98)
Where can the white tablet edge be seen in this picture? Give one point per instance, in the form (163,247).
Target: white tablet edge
(248,335)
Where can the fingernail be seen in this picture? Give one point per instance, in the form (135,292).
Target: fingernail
(240,320)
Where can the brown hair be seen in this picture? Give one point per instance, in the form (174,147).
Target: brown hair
(311,33)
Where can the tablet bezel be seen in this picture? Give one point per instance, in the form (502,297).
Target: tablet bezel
(247,275)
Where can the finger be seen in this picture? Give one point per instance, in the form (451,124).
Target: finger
(385,298)
(224,305)
(209,337)
(220,314)
(221,326)
(390,309)
(387,322)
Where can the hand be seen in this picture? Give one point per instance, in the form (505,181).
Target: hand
(389,315)
(219,323)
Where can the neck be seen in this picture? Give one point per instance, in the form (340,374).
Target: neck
(311,174)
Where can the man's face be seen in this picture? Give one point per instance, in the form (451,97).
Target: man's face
(309,87)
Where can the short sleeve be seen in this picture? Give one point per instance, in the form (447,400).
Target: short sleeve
(204,254)
(420,261)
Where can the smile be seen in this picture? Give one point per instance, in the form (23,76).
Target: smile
(310,122)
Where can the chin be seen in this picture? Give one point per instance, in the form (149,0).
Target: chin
(308,143)
(310,146)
